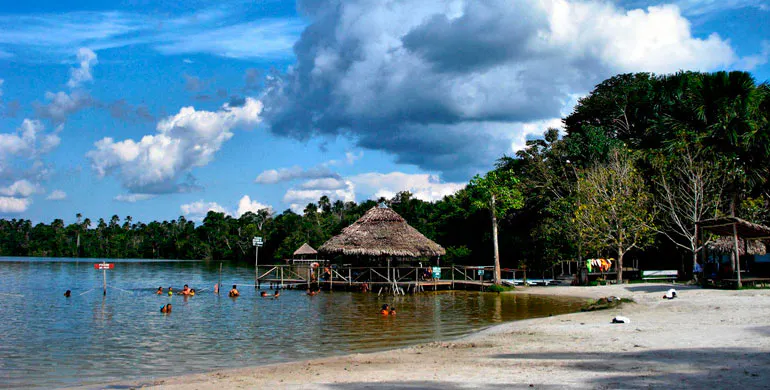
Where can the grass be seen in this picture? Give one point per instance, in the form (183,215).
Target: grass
(499,289)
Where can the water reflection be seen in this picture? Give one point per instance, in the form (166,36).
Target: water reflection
(89,338)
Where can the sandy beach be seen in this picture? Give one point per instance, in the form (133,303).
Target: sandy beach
(704,338)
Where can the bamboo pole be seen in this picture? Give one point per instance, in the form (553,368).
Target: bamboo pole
(737,254)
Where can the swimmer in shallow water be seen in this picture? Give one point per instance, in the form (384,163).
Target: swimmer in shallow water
(170,292)
(234,292)
(166,308)
(67,293)
(192,292)
(160,291)
(385,309)
(277,293)
(392,311)
(263,294)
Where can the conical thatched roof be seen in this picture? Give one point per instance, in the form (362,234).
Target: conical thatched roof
(382,232)
(726,245)
(305,249)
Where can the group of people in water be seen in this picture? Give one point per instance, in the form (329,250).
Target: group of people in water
(186,290)
(388,310)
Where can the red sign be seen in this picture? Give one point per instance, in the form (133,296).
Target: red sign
(104,266)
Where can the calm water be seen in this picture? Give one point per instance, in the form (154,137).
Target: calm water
(47,340)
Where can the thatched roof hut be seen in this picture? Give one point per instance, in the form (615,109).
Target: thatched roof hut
(381,232)
(305,250)
(726,246)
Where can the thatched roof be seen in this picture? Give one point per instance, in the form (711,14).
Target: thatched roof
(382,232)
(305,249)
(726,245)
(746,229)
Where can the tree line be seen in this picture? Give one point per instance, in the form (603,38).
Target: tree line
(641,160)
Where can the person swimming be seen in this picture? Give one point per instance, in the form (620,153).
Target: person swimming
(216,288)
(192,292)
(170,291)
(160,291)
(385,309)
(311,292)
(234,292)
(67,293)
(166,308)
(277,293)
(185,290)
(392,311)
(263,294)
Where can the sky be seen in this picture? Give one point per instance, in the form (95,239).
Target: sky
(156,109)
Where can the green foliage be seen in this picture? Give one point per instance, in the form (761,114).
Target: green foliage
(497,191)
(499,288)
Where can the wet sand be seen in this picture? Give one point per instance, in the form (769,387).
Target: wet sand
(703,338)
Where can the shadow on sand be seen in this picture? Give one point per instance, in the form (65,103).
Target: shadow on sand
(651,288)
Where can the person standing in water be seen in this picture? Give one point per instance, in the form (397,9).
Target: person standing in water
(160,291)
(67,294)
(234,292)
(166,309)
(170,291)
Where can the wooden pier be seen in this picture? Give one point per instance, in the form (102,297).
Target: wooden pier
(390,280)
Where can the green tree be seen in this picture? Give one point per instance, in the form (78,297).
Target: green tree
(615,211)
(498,193)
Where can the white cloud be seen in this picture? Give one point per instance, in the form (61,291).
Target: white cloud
(189,139)
(60,105)
(29,141)
(133,198)
(450,86)
(86,59)
(299,198)
(10,205)
(273,176)
(423,186)
(198,210)
(20,188)
(246,204)
(57,195)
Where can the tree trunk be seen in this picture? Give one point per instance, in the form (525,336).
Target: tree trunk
(494,240)
(620,265)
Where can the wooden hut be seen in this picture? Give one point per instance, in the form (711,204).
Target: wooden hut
(737,250)
(382,233)
(305,251)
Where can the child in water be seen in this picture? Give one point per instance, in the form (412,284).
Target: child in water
(234,292)
(160,291)
(67,293)
(166,308)
(263,294)
(192,292)
(392,311)
(170,292)
(385,309)
(277,293)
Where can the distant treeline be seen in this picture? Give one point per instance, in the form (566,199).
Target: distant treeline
(642,159)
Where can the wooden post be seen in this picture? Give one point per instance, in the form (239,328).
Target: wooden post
(219,286)
(281,277)
(452,270)
(331,277)
(737,254)
(416,279)
(350,277)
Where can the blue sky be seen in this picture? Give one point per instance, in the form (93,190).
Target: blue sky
(156,109)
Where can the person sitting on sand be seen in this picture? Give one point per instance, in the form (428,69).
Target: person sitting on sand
(263,294)
(170,291)
(234,292)
(67,293)
(160,291)
(385,309)
(277,294)
(166,308)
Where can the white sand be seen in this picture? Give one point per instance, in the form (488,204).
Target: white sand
(704,338)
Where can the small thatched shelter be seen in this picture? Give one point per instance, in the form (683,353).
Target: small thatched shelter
(305,250)
(381,232)
(726,246)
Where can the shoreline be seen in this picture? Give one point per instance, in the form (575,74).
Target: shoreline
(701,337)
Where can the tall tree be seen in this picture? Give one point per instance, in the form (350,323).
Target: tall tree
(615,212)
(498,193)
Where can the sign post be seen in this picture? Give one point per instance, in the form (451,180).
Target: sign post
(104,266)
(257,242)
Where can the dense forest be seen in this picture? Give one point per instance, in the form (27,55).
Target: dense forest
(641,160)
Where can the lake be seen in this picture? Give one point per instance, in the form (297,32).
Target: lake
(47,340)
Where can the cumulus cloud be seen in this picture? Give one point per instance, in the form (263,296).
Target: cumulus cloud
(246,204)
(86,59)
(60,105)
(449,86)
(11,205)
(133,198)
(423,186)
(198,210)
(57,195)
(273,176)
(156,163)
(29,141)
(20,188)
(299,198)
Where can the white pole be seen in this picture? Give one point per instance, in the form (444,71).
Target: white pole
(104,272)
(256,266)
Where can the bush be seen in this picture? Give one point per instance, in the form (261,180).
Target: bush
(499,288)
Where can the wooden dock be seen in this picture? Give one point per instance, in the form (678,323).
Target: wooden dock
(391,280)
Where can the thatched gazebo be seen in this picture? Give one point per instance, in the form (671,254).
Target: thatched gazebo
(305,250)
(382,233)
(726,246)
(738,237)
